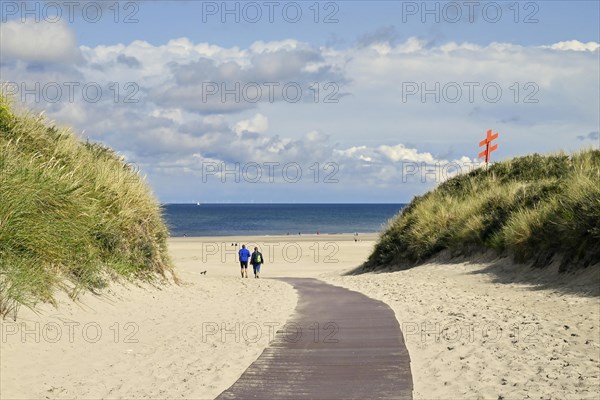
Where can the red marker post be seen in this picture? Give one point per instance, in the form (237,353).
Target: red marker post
(489,148)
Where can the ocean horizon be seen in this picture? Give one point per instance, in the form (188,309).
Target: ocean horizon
(254,219)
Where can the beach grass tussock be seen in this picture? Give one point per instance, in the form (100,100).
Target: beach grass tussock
(73,215)
(537,209)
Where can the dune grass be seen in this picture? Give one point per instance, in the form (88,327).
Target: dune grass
(535,208)
(73,215)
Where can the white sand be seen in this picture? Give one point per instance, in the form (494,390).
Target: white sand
(176,357)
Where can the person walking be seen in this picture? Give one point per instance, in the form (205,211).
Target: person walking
(244,254)
(257,260)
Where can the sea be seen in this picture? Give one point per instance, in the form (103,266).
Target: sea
(276,219)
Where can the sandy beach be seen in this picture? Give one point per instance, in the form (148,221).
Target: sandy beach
(472,330)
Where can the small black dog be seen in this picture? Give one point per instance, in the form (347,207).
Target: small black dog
(203,273)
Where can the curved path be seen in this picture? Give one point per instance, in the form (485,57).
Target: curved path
(338,344)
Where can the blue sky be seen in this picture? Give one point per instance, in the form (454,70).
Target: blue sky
(391,100)
(576,20)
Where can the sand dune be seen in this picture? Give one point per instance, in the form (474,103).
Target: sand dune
(494,339)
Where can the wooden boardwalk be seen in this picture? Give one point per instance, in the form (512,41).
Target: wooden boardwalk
(338,344)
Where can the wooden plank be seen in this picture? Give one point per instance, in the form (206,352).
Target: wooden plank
(338,344)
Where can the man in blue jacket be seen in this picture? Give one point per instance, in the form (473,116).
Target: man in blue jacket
(244,256)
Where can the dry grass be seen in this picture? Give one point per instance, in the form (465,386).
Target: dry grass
(72,215)
(536,208)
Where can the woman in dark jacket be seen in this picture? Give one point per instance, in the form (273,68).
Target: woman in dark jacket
(256,260)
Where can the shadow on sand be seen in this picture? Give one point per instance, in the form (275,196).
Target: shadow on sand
(503,270)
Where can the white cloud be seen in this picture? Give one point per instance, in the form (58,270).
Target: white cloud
(38,42)
(412,45)
(316,136)
(574,45)
(384,156)
(400,152)
(260,47)
(259,124)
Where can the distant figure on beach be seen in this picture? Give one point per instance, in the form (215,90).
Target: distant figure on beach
(256,261)
(244,254)
(355,236)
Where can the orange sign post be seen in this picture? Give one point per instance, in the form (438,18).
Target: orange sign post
(489,148)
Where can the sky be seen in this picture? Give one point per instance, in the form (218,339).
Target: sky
(306,101)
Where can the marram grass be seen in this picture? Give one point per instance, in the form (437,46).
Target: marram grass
(73,216)
(535,208)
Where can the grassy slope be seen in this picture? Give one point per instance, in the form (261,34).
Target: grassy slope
(536,208)
(72,215)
